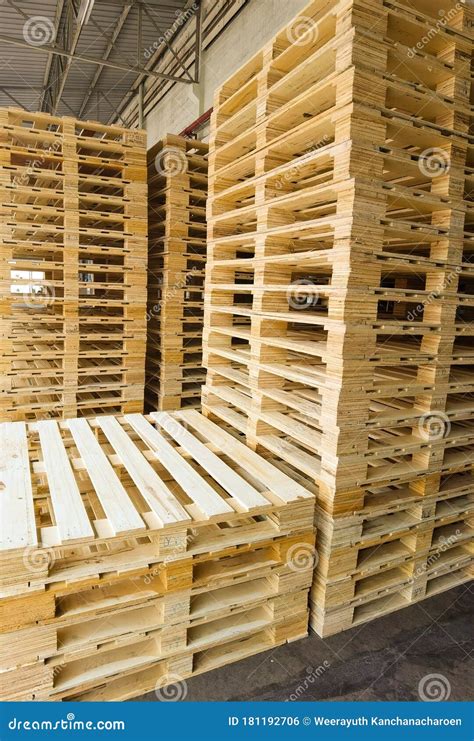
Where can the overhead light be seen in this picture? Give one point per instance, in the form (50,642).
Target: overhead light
(84,12)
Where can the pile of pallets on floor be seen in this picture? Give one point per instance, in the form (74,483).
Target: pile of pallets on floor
(73,267)
(138,551)
(338,303)
(177,182)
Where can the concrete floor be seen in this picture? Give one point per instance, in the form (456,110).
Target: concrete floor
(383,660)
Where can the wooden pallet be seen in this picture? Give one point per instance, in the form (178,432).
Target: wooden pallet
(63,603)
(91,487)
(73,297)
(394,586)
(131,543)
(299,72)
(338,301)
(128,671)
(105,618)
(177,178)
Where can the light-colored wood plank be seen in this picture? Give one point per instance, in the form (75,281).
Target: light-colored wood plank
(277,481)
(69,511)
(121,513)
(247,496)
(17,516)
(206,498)
(162,502)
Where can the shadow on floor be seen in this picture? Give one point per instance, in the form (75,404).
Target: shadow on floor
(387,659)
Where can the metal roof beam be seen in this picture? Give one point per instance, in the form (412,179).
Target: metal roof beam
(120,23)
(153,61)
(111,39)
(4,90)
(49,63)
(72,32)
(62,39)
(151,3)
(69,107)
(111,105)
(134,70)
(198,43)
(163,36)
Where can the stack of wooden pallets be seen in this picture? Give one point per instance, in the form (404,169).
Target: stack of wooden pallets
(177,181)
(339,316)
(138,551)
(72,267)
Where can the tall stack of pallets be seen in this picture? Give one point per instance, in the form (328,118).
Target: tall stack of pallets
(177,181)
(339,315)
(136,552)
(72,267)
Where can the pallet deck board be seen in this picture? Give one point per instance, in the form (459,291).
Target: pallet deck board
(284,488)
(71,518)
(161,500)
(235,485)
(166,483)
(120,512)
(208,501)
(18,527)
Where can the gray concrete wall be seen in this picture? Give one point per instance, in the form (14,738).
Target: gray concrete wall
(256,23)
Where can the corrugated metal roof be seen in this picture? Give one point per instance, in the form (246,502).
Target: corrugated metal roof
(89,90)
(22,70)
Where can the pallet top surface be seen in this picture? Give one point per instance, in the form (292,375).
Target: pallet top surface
(84,480)
(45,123)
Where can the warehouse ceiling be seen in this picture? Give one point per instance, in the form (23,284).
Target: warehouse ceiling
(88,58)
